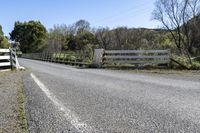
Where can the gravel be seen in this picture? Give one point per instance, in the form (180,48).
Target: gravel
(10,87)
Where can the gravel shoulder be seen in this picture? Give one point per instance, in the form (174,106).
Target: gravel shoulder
(12,116)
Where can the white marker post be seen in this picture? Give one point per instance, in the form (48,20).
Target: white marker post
(98,57)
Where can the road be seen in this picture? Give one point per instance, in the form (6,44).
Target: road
(62,99)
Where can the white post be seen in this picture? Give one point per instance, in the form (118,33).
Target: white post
(98,57)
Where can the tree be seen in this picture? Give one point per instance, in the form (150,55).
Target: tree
(120,37)
(191,25)
(1,34)
(104,37)
(31,35)
(3,40)
(72,37)
(70,42)
(81,26)
(80,37)
(175,15)
(84,38)
(56,37)
(194,48)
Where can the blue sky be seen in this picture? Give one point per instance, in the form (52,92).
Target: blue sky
(100,13)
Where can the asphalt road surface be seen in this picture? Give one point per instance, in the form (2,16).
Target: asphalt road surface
(62,99)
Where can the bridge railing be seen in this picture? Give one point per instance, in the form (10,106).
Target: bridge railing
(137,56)
(134,57)
(103,57)
(57,57)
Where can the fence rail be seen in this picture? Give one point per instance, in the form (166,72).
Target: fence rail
(5,58)
(136,56)
(134,51)
(8,59)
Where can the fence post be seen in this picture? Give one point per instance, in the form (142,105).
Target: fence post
(98,57)
(11,59)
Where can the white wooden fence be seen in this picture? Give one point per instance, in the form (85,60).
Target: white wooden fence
(8,59)
(136,57)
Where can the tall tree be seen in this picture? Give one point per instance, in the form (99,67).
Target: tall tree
(56,37)
(81,26)
(31,36)
(175,15)
(1,34)
(191,24)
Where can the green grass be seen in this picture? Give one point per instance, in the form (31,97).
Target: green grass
(161,71)
(184,61)
(22,122)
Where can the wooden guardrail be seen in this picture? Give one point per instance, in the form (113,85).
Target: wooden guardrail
(8,59)
(5,58)
(142,57)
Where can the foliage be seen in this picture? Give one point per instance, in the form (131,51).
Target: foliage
(181,19)
(81,37)
(184,61)
(3,40)
(81,26)
(104,37)
(63,37)
(76,37)
(69,56)
(4,43)
(31,36)
(70,42)
(57,37)
(135,39)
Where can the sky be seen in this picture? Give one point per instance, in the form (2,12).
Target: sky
(100,13)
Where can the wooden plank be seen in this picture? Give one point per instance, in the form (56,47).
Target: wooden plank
(134,51)
(6,57)
(5,64)
(119,56)
(4,50)
(138,62)
(137,57)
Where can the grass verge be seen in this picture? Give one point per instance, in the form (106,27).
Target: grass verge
(159,71)
(22,121)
